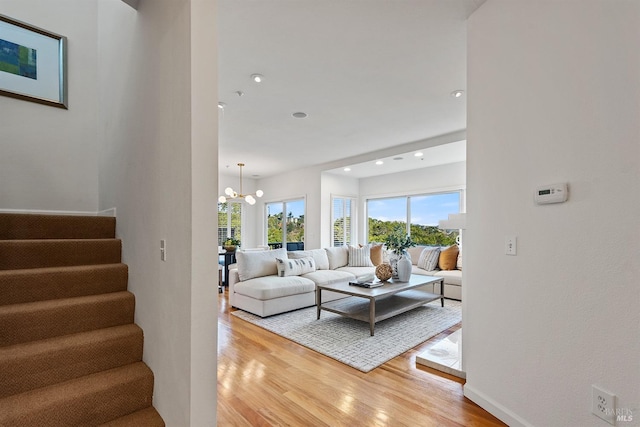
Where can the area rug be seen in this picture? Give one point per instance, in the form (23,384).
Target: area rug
(349,340)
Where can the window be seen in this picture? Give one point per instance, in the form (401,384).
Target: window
(417,215)
(229,221)
(342,220)
(285,224)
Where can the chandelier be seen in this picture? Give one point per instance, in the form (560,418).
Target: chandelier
(232,194)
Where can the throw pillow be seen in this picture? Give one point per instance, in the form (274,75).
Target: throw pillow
(259,263)
(448,258)
(376,253)
(295,267)
(429,259)
(360,257)
(319,256)
(338,256)
(459,261)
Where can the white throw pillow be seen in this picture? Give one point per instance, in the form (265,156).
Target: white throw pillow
(295,267)
(459,260)
(360,257)
(258,264)
(429,259)
(319,256)
(338,257)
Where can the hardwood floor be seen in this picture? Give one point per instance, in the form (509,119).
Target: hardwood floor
(267,380)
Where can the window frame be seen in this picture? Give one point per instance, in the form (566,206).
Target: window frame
(283,202)
(408,196)
(353,215)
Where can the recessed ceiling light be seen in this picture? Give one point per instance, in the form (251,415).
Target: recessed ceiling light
(379,162)
(418,154)
(347,169)
(221,105)
(258,78)
(457,93)
(300,115)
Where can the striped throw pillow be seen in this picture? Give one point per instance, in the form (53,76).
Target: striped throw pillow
(295,267)
(429,259)
(360,257)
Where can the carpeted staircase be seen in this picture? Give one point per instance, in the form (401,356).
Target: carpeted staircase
(70,354)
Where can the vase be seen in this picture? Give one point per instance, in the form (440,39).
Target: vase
(393,262)
(404,268)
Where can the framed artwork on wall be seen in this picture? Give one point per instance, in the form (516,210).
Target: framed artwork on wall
(33,63)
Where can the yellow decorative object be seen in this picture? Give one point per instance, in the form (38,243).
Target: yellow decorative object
(383,272)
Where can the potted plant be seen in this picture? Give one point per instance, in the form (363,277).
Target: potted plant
(398,242)
(231,244)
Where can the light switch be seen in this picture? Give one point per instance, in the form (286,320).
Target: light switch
(511,245)
(163,250)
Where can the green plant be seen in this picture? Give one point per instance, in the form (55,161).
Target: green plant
(232,242)
(398,242)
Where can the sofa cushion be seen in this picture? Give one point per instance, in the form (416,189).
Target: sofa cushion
(360,257)
(451,277)
(295,267)
(338,256)
(428,259)
(319,255)
(259,263)
(270,287)
(328,277)
(360,273)
(448,258)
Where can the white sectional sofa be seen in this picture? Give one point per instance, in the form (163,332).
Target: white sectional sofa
(452,278)
(262,285)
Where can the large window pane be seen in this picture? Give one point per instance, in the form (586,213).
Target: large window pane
(229,221)
(341,221)
(295,222)
(274,223)
(426,211)
(386,216)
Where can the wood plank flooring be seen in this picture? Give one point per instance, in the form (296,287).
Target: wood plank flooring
(267,380)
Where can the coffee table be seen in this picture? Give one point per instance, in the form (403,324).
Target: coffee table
(375,304)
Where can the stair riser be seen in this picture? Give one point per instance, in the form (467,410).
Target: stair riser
(26,226)
(57,253)
(36,321)
(21,286)
(90,400)
(33,365)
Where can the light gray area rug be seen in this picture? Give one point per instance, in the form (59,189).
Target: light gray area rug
(349,341)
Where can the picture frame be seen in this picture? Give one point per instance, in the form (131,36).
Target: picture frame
(33,63)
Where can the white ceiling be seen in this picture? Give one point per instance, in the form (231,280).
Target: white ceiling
(370,74)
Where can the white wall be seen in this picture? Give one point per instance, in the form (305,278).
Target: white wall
(48,157)
(158,168)
(553,96)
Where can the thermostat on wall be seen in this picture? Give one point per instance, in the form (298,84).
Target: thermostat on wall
(554,193)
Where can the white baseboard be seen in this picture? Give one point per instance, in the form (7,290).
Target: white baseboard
(495,409)
(106,212)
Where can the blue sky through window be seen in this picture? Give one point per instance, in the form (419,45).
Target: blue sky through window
(425,210)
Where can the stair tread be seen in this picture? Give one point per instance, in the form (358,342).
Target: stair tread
(91,399)
(147,417)
(24,226)
(35,364)
(39,284)
(37,253)
(44,319)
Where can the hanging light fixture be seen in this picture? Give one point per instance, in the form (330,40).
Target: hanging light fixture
(232,194)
